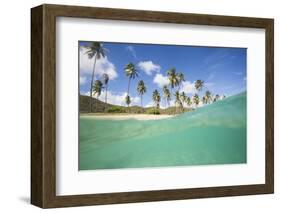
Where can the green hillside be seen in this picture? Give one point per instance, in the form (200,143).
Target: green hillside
(98,106)
(102,107)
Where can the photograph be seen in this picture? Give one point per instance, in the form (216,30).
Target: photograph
(154,105)
(143,105)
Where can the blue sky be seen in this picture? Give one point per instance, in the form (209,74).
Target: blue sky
(222,69)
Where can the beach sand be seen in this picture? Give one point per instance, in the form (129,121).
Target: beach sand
(143,117)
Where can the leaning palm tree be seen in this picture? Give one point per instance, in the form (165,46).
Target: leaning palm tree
(196,99)
(208,96)
(199,84)
(105,82)
(141,89)
(167,95)
(131,72)
(156,99)
(178,100)
(94,50)
(97,88)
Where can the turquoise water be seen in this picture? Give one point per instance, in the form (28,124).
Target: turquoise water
(214,134)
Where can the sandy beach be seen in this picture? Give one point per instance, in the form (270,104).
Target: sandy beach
(127,116)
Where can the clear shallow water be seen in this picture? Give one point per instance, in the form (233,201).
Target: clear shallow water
(214,134)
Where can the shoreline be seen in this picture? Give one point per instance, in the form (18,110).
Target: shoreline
(124,116)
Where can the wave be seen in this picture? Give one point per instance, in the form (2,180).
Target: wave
(221,125)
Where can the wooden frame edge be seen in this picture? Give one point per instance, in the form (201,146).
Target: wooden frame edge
(36,106)
(269,119)
(43,172)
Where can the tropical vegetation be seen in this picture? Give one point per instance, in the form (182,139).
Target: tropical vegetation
(96,51)
(167,95)
(141,89)
(131,72)
(156,99)
(182,102)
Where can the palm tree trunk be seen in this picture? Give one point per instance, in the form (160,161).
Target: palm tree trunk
(97,103)
(141,105)
(172,96)
(105,94)
(128,89)
(168,106)
(128,86)
(105,107)
(92,81)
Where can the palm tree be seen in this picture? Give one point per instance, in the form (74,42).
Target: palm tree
(178,99)
(204,100)
(131,72)
(174,79)
(196,99)
(180,77)
(199,84)
(183,99)
(94,50)
(105,82)
(217,97)
(167,95)
(97,90)
(141,89)
(156,98)
(128,100)
(188,101)
(208,96)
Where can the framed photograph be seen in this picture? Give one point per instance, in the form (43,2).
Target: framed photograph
(136,106)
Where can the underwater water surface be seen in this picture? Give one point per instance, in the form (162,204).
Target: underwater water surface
(213,134)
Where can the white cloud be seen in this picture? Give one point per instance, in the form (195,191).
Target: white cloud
(150,104)
(117,98)
(160,80)
(188,87)
(149,67)
(132,50)
(163,104)
(103,65)
(83,80)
